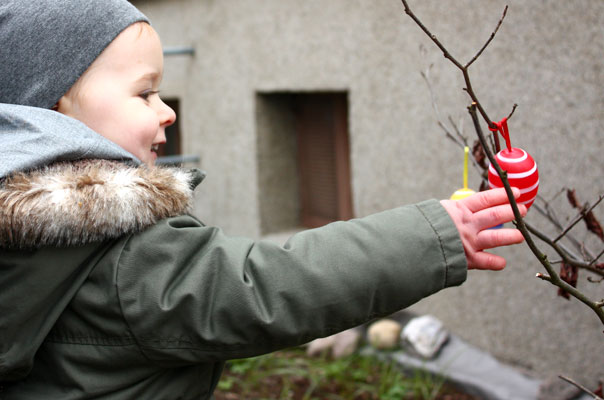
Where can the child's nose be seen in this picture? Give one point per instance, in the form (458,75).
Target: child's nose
(167,116)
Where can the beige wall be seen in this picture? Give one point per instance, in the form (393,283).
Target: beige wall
(547,58)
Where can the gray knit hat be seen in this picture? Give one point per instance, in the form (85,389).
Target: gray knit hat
(46,45)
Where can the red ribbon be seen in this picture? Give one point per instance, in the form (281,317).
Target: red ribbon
(502,127)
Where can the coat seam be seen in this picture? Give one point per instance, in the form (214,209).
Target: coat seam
(91,344)
(440,242)
(196,346)
(119,300)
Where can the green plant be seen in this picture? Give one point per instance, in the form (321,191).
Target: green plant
(290,374)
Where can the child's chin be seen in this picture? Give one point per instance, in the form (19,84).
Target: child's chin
(150,160)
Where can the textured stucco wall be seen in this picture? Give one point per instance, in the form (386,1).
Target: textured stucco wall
(277,167)
(547,57)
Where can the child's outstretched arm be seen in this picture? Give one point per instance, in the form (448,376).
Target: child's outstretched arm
(474,215)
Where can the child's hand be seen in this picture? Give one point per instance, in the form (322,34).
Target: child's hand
(474,215)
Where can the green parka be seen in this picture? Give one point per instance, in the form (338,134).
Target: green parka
(110,290)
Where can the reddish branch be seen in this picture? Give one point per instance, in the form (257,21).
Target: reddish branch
(570,264)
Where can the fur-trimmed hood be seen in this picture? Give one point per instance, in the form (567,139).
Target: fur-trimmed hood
(34,137)
(66,193)
(82,204)
(75,203)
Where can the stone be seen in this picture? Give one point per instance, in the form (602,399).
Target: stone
(384,334)
(319,346)
(346,343)
(425,335)
(340,345)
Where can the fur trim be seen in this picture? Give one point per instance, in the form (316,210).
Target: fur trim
(88,201)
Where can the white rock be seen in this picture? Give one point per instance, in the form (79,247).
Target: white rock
(425,334)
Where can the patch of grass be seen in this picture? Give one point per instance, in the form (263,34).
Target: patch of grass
(290,374)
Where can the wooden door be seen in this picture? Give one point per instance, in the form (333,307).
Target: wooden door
(323,158)
(172,146)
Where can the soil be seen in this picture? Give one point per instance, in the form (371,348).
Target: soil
(272,387)
(292,375)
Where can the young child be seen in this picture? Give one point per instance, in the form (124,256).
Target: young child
(110,290)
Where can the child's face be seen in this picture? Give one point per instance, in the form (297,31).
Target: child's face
(118,97)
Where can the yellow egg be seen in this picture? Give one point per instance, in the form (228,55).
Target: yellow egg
(462,194)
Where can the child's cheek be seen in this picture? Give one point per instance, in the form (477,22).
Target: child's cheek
(148,126)
(102,115)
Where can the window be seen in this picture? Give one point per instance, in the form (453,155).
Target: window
(172,145)
(303,159)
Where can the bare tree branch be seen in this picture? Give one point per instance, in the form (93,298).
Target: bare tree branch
(582,215)
(505,11)
(591,222)
(458,131)
(464,69)
(549,213)
(583,388)
(552,276)
(596,258)
(564,254)
(512,112)
(449,135)
(457,136)
(432,36)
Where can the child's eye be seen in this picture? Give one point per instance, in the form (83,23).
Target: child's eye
(146,94)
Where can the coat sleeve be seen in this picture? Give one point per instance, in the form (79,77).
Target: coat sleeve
(191,294)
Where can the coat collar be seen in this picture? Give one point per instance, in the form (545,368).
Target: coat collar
(76,203)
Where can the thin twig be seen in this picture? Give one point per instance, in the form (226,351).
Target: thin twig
(512,112)
(432,95)
(458,131)
(578,218)
(464,69)
(596,258)
(459,139)
(450,136)
(558,194)
(432,36)
(505,10)
(435,107)
(583,388)
(563,253)
(551,216)
(543,277)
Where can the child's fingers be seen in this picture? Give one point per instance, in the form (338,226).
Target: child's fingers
(488,198)
(491,238)
(484,260)
(496,215)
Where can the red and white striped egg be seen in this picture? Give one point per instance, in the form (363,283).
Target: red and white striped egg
(522,174)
